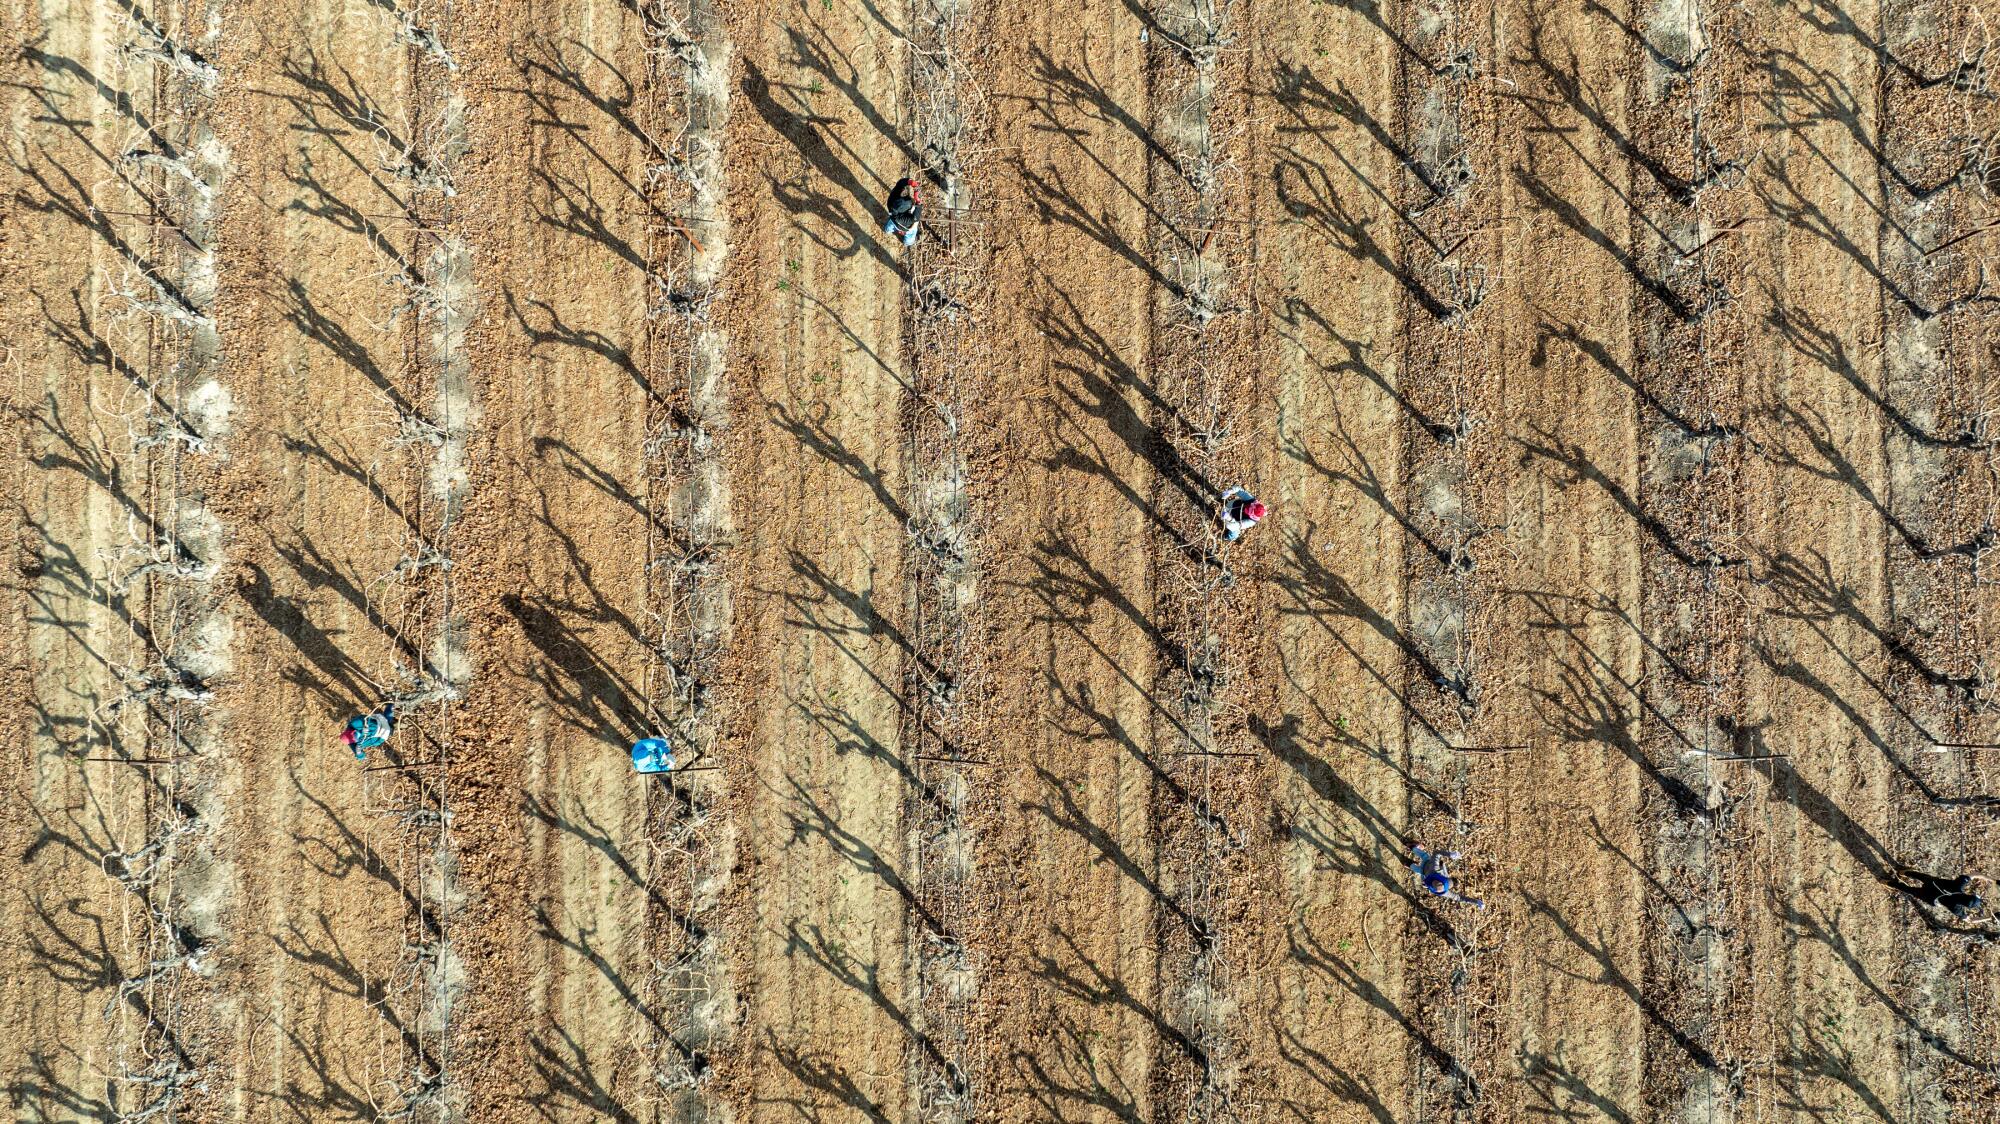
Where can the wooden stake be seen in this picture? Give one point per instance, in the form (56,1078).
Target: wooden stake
(146,760)
(1488,748)
(950,760)
(1209,753)
(1737,757)
(1947,747)
(405,765)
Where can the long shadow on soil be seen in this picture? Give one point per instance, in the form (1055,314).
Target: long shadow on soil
(586,690)
(1067,1076)
(1831,464)
(1610,975)
(810,819)
(1818,924)
(808,133)
(288,618)
(586,830)
(1323,596)
(1316,956)
(1104,380)
(1061,810)
(822,1076)
(862,977)
(41,1097)
(1090,983)
(569,1079)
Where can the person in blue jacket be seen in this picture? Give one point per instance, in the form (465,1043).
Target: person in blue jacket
(1430,871)
(369,731)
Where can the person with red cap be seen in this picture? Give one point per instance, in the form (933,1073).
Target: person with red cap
(906,211)
(369,731)
(1240,512)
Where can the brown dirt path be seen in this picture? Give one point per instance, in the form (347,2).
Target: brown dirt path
(553,938)
(70,499)
(1819,540)
(819,940)
(1336,564)
(319,501)
(1086,1023)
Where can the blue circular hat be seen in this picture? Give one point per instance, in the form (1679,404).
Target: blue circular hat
(652,755)
(1436,883)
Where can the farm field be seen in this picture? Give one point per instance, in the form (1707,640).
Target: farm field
(1621,378)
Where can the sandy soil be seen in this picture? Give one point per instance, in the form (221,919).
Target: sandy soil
(1618,378)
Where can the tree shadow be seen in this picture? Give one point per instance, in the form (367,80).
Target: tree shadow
(1610,975)
(41,1096)
(568,1081)
(1072,1081)
(823,1076)
(1096,987)
(1316,956)
(589,693)
(1833,465)
(556,332)
(865,979)
(809,820)
(1824,347)
(801,128)
(1581,469)
(809,427)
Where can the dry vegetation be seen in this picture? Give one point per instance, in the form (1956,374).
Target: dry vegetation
(1621,378)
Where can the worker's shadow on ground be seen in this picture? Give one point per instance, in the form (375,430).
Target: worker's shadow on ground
(1102,386)
(586,692)
(1359,855)
(345,687)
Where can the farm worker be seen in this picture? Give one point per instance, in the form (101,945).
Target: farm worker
(1430,871)
(1954,894)
(369,730)
(1240,512)
(1960,899)
(652,755)
(906,211)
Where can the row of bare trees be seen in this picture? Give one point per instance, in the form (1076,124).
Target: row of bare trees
(160,207)
(945,297)
(690,543)
(1199,329)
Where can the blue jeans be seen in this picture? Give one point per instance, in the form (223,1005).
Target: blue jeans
(909,236)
